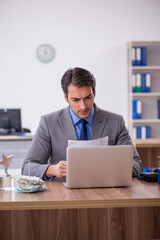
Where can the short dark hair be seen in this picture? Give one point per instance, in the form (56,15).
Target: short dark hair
(78,77)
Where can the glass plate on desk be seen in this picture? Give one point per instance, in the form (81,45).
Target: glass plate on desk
(29,184)
(31,190)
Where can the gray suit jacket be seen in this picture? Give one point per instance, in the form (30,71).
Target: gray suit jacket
(55,129)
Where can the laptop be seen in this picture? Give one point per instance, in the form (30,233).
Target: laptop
(99,166)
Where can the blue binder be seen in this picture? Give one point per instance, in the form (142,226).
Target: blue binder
(134,82)
(143,82)
(138,131)
(137,109)
(134,108)
(143,132)
(133,55)
(138,56)
(148,131)
(143,56)
(148,82)
(138,83)
(159,108)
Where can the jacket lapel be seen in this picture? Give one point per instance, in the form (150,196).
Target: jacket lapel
(67,124)
(99,123)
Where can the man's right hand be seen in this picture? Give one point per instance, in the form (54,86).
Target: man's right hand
(58,170)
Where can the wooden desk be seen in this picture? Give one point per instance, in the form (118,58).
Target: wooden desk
(131,213)
(148,150)
(16,138)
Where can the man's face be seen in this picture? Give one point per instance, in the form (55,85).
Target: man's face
(80,100)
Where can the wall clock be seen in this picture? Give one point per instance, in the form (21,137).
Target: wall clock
(45,53)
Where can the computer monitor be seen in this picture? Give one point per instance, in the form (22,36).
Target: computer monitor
(10,121)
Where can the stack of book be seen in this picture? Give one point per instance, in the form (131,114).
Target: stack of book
(141,82)
(139,56)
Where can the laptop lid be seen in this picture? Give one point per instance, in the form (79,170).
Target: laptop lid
(99,166)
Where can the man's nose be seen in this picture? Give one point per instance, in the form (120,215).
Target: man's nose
(82,104)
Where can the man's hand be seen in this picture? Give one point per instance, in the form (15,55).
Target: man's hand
(58,170)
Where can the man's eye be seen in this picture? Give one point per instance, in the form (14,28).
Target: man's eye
(89,97)
(75,100)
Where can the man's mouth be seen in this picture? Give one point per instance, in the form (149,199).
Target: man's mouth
(83,112)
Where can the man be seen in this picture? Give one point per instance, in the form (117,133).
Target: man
(55,129)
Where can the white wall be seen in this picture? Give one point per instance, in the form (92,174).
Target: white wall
(92,34)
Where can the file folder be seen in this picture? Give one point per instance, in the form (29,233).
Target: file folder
(143,132)
(148,82)
(138,128)
(143,56)
(138,82)
(134,82)
(133,56)
(159,108)
(148,131)
(143,82)
(137,109)
(138,56)
(134,109)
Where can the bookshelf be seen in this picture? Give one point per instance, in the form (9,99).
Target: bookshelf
(149,100)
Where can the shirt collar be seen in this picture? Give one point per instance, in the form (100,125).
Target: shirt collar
(76,119)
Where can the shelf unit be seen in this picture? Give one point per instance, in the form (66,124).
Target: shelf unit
(149,100)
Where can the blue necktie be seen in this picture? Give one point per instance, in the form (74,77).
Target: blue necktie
(83,134)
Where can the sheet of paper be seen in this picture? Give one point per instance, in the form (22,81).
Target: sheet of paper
(81,143)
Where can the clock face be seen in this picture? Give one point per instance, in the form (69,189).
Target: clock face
(45,53)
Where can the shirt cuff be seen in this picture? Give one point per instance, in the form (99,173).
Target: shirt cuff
(45,177)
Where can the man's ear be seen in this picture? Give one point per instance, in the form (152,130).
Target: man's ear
(65,97)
